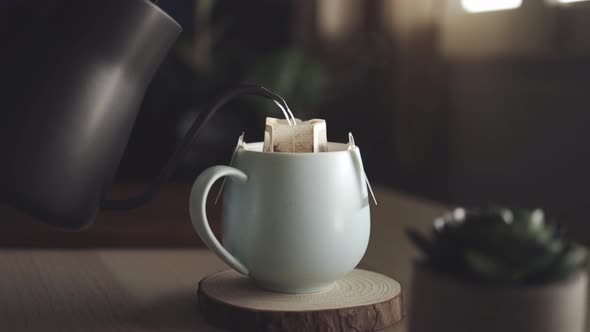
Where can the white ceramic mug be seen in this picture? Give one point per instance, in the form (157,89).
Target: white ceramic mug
(293,222)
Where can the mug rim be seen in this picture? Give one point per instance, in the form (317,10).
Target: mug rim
(341,148)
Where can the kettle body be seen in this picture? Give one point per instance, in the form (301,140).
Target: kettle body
(64,135)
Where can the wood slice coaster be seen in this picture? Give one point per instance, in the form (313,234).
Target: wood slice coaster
(361,301)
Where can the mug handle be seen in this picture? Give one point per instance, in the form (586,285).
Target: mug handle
(198,213)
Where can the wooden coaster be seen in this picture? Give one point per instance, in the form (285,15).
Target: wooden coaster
(361,301)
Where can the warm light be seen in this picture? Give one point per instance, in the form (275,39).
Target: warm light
(478,6)
(563,2)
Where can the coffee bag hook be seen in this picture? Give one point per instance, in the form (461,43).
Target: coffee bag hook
(352,146)
(240,145)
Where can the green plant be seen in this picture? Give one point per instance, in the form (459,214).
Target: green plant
(498,245)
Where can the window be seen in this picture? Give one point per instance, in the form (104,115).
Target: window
(566,1)
(478,6)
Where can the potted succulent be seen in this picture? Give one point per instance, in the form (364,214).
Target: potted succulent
(496,269)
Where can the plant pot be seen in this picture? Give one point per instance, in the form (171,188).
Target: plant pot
(441,303)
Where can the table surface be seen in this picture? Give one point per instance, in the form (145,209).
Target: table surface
(154,289)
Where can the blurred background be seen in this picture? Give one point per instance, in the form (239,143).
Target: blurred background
(465,102)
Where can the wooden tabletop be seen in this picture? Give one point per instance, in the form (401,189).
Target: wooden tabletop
(155,289)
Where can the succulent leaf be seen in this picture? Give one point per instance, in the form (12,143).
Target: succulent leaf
(498,245)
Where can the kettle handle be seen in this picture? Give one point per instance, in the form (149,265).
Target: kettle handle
(198,213)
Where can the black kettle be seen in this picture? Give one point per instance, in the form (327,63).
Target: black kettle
(77,80)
